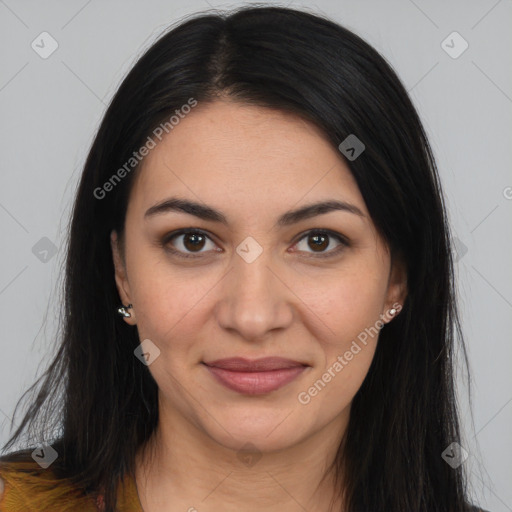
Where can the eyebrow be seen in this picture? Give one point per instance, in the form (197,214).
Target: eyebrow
(204,212)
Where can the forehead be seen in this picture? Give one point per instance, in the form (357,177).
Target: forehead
(234,155)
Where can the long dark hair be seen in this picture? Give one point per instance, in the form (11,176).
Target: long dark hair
(99,397)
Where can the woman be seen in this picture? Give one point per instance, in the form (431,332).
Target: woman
(259,303)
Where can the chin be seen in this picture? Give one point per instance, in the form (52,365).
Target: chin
(266,432)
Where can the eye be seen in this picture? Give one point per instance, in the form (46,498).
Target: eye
(189,240)
(320,240)
(188,243)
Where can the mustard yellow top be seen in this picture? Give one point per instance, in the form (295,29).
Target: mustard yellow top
(43,492)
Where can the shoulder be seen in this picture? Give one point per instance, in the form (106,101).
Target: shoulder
(25,486)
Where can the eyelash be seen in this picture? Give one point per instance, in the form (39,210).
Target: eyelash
(328,254)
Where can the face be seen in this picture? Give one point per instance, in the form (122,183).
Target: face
(252,280)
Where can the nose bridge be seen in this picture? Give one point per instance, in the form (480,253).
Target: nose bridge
(251,268)
(254,300)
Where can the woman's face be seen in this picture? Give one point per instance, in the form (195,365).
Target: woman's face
(253,283)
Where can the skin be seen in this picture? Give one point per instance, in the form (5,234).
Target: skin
(253,164)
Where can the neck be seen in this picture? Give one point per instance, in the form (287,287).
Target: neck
(184,467)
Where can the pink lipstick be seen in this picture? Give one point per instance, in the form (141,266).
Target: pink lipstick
(255,377)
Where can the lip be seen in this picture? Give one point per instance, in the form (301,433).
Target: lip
(255,377)
(263,364)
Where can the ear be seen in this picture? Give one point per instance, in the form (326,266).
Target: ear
(123,286)
(397,289)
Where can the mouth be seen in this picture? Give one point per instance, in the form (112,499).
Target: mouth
(255,377)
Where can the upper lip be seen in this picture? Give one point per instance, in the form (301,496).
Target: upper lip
(255,365)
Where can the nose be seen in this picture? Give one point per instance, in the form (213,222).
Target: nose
(255,299)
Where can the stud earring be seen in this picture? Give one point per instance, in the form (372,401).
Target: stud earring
(393,311)
(122,311)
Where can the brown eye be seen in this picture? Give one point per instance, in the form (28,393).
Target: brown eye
(193,241)
(319,241)
(187,242)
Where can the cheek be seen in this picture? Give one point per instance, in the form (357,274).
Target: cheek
(350,313)
(169,301)
(352,303)
(163,306)
(168,310)
(347,354)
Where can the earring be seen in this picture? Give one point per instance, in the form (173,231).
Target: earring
(393,311)
(122,311)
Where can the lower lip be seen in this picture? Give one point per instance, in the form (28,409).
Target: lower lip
(255,383)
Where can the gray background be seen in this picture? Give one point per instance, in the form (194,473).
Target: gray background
(50,109)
